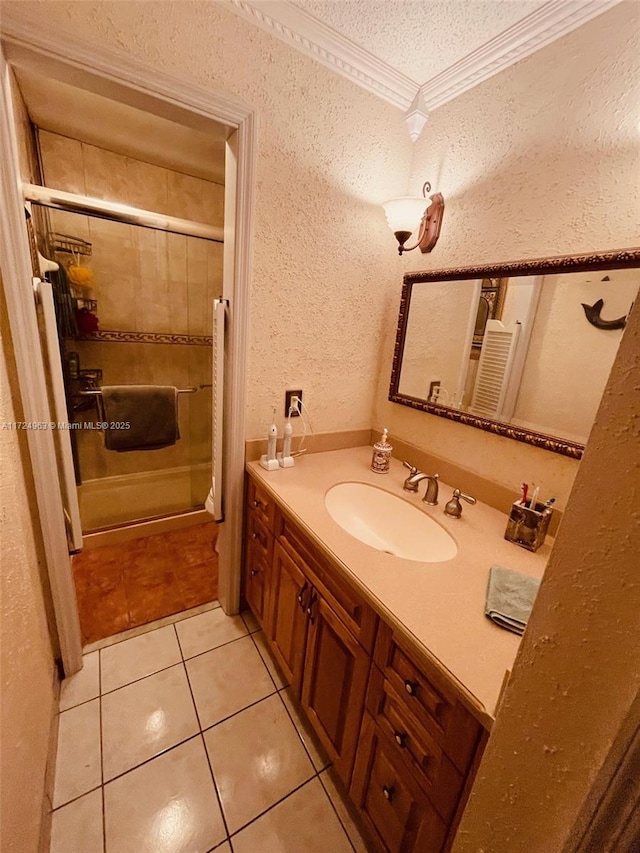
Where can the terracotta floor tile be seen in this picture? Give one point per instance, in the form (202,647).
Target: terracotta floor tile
(198,584)
(103,614)
(136,582)
(147,605)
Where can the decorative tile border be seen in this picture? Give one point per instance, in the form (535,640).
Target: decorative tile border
(115,336)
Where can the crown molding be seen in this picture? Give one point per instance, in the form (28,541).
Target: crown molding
(324,44)
(550,22)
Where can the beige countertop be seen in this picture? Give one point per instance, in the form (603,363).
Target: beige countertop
(440,604)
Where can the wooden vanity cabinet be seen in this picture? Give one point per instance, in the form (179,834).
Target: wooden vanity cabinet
(395,809)
(287,628)
(336,670)
(258,551)
(391,722)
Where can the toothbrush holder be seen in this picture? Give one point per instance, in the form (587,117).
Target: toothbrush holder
(527,526)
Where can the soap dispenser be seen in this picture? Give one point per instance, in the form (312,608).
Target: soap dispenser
(381,459)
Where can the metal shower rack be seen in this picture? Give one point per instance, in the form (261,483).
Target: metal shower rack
(70,245)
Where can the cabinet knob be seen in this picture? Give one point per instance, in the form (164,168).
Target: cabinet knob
(388,792)
(400,739)
(258,504)
(257,538)
(254,572)
(310,613)
(300,596)
(411,687)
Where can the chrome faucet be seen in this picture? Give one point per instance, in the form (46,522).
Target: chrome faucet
(415,477)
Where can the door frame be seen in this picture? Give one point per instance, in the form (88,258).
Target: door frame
(27,43)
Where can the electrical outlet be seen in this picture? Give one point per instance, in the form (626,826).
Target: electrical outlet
(434,391)
(288,398)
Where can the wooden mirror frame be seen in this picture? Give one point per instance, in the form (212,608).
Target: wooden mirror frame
(618,259)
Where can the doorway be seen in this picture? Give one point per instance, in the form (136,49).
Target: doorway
(157,95)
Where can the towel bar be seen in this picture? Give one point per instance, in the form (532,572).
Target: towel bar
(99,393)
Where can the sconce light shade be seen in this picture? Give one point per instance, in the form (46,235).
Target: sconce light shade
(404,214)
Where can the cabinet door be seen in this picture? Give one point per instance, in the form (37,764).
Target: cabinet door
(257,582)
(289,594)
(336,670)
(391,803)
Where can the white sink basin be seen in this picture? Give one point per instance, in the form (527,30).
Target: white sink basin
(387,523)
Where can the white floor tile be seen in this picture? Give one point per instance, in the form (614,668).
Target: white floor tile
(305,821)
(208,631)
(350,826)
(145,718)
(250,621)
(168,805)
(257,759)
(78,759)
(310,739)
(228,679)
(132,659)
(82,686)
(77,827)
(265,654)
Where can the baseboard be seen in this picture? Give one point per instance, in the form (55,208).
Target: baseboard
(50,769)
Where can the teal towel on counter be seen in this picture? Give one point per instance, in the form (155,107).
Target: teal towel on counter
(510,597)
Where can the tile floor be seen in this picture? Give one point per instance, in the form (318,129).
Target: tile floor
(133,583)
(186,740)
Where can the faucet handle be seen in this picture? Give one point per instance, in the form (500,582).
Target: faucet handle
(454,508)
(412,469)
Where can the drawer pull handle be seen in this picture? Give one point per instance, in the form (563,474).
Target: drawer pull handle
(258,504)
(411,687)
(300,596)
(254,572)
(388,792)
(400,739)
(257,538)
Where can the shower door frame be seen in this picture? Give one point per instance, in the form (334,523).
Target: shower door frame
(25,43)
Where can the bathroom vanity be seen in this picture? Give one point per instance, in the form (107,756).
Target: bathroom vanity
(392,660)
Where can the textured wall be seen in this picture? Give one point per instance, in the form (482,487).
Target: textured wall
(328,155)
(26,661)
(541,159)
(578,668)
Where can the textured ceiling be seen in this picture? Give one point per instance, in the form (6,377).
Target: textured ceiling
(420,38)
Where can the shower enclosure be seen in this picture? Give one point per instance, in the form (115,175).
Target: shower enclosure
(134,307)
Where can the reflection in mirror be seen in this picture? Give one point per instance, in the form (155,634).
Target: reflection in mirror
(531,351)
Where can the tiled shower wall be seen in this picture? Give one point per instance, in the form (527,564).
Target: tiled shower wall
(144,281)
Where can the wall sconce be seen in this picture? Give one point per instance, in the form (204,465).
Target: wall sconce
(403,213)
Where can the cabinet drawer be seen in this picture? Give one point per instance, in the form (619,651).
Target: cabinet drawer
(424,757)
(261,503)
(429,698)
(356,614)
(259,536)
(392,804)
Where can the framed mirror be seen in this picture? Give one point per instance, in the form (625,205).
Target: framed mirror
(522,349)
